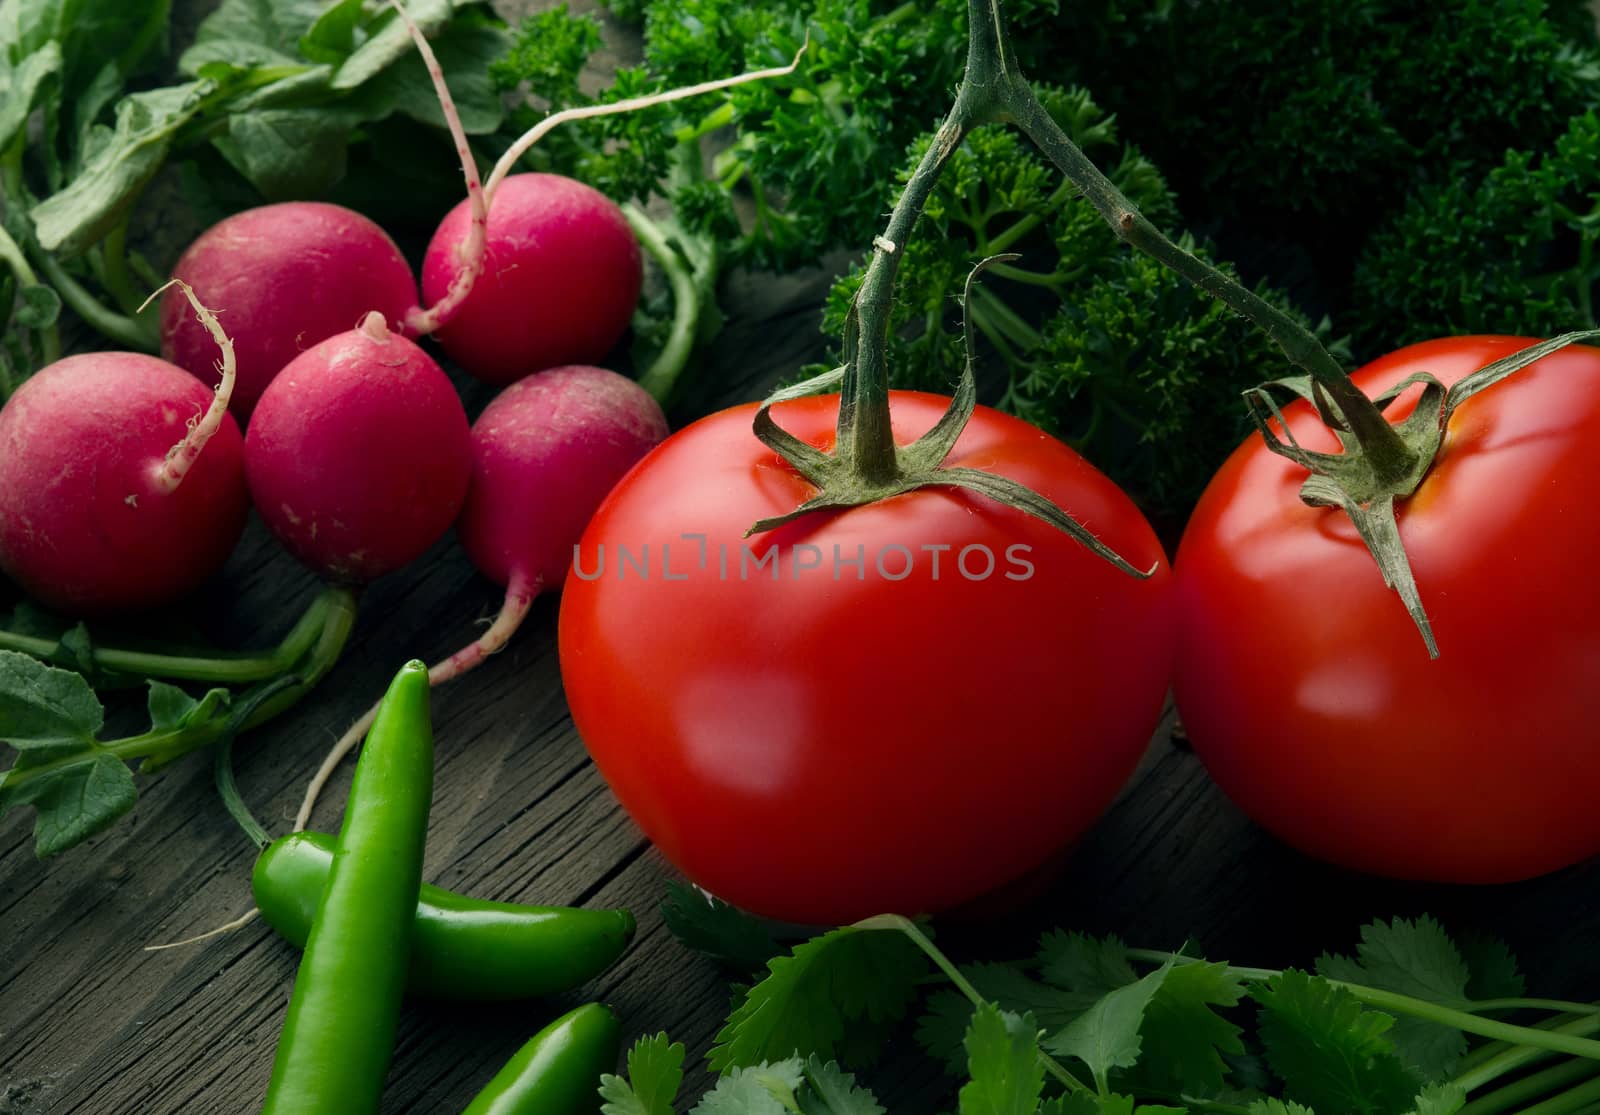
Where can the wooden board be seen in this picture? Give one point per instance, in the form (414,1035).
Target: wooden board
(91,1024)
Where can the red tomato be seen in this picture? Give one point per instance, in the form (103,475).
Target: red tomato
(823,746)
(1304,684)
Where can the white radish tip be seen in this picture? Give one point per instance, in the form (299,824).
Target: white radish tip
(375,327)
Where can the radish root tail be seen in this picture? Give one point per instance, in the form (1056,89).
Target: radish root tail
(520,594)
(181,457)
(632,104)
(420,321)
(236,923)
(471,251)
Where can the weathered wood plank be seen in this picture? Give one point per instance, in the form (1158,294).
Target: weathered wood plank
(91,1024)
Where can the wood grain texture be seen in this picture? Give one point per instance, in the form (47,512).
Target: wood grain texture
(92,1025)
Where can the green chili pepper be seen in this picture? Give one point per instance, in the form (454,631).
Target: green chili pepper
(339,1034)
(558,1071)
(461,948)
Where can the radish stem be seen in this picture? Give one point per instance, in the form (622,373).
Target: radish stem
(223,668)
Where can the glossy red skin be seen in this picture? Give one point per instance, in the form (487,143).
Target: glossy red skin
(818,751)
(84,527)
(281,278)
(560,281)
(1304,684)
(544,454)
(358,455)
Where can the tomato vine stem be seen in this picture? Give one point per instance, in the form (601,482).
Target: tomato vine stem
(866,465)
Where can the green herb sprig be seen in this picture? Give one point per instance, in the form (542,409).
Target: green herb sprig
(51,716)
(1410,1024)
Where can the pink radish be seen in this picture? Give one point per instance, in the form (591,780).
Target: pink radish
(534,270)
(121,480)
(545,452)
(283,277)
(554,448)
(561,276)
(357,455)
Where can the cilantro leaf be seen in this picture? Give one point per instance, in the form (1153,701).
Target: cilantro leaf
(1417,959)
(655,1073)
(1106,1036)
(764,1089)
(943,1027)
(1183,1037)
(1087,1103)
(810,996)
(1078,962)
(1278,1107)
(709,925)
(832,1091)
(1439,1099)
(1328,1050)
(1413,958)
(1003,1060)
(1493,968)
(1071,1103)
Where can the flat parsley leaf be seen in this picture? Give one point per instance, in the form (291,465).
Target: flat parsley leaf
(655,1073)
(1003,1059)
(809,997)
(1329,1051)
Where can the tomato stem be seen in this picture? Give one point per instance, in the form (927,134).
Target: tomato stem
(864,433)
(1388,453)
